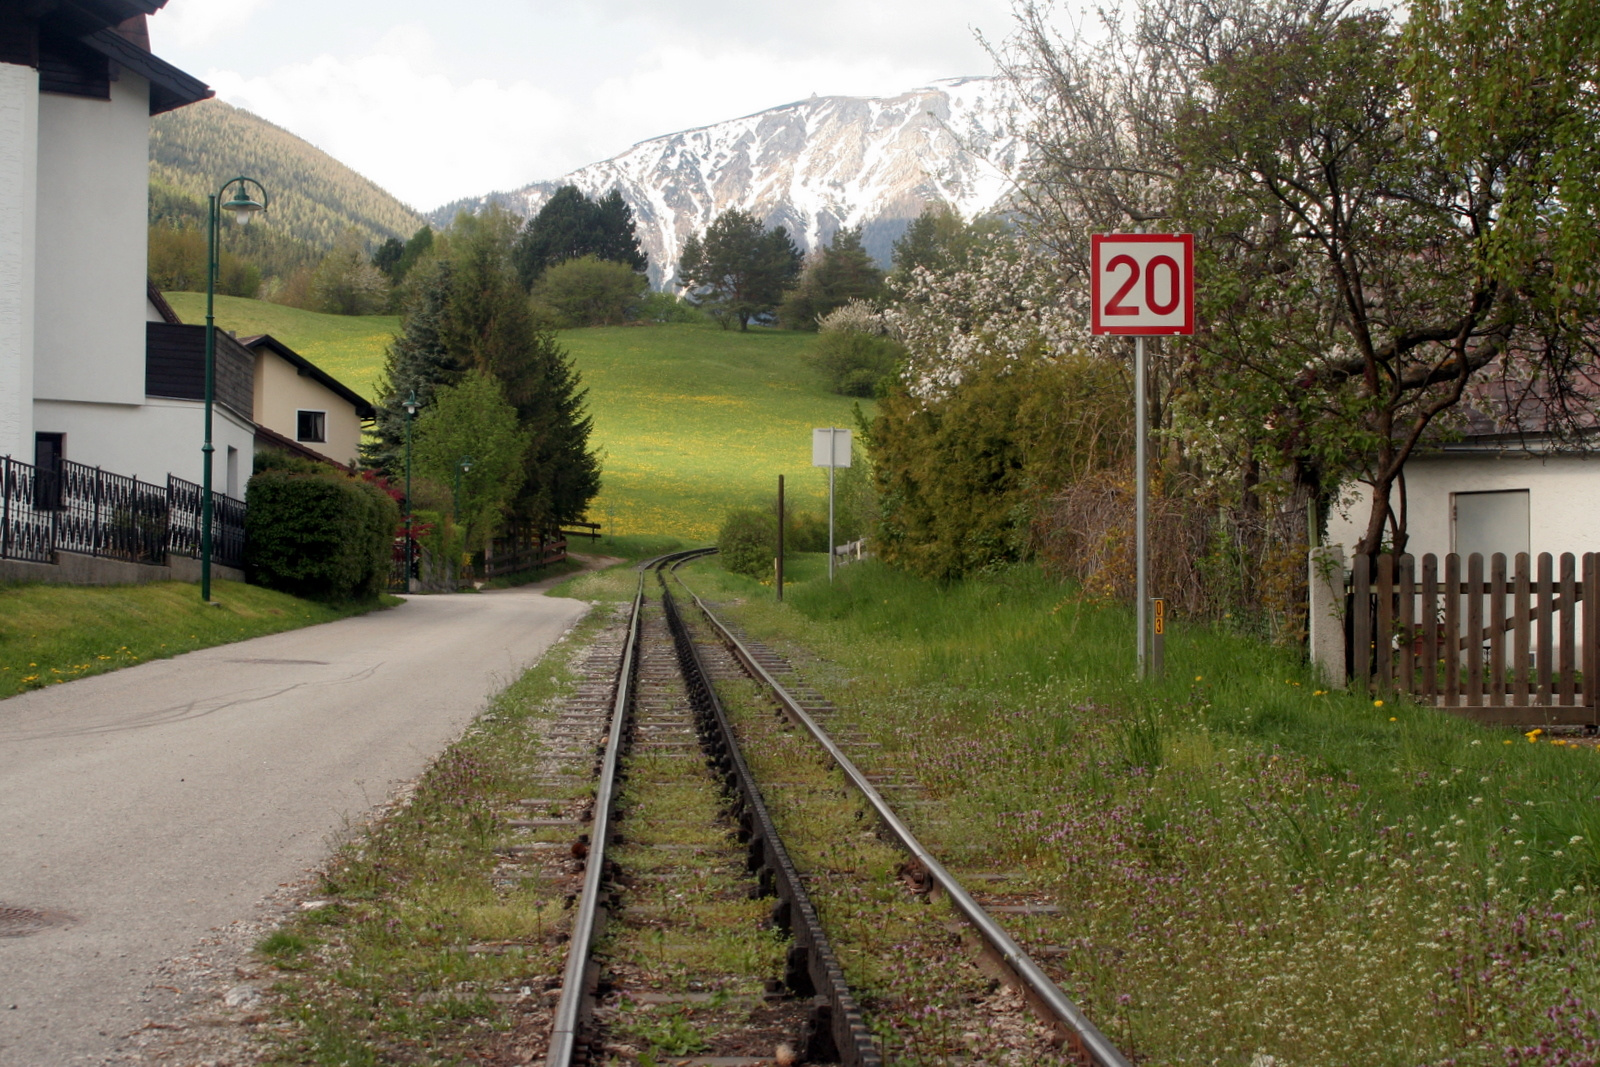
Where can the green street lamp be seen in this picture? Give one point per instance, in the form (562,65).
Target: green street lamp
(242,207)
(462,465)
(411,411)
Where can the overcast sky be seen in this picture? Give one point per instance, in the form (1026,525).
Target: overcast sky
(436,101)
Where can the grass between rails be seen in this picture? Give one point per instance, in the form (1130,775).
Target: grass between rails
(54,633)
(427,939)
(1248,865)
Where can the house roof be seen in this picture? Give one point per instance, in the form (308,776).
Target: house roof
(273,439)
(82,17)
(170,88)
(364,408)
(159,302)
(113,28)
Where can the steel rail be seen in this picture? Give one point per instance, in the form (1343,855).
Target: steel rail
(1037,986)
(575,978)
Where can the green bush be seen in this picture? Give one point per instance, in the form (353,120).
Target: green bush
(318,533)
(665,307)
(856,363)
(807,532)
(591,292)
(748,542)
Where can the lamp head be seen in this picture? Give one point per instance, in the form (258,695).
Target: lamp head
(411,403)
(466,463)
(242,206)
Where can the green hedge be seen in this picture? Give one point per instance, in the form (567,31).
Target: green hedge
(318,534)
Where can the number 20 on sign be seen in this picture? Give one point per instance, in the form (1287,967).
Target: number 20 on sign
(1143,283)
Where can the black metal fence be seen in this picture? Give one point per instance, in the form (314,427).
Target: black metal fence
(74,508)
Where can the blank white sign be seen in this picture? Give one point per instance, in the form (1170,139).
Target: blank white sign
(830,447)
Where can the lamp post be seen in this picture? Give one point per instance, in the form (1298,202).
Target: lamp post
(411,411)
(462,465)
(243,207)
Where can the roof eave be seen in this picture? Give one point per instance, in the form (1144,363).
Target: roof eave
(170,88)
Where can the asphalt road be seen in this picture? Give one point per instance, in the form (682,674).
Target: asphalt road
(154,803)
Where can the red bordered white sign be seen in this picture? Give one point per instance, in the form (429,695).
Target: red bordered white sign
(1143,283)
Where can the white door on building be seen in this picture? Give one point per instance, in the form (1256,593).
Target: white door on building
(1489,523)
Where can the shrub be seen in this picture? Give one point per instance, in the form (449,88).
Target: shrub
(748,542)
(665,307)
(854,363)
(318,533)
(591,292)
(807,532)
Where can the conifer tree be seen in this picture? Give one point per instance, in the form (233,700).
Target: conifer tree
(840,273)
(571,226)
(470,313)
(738,270)
(418,363)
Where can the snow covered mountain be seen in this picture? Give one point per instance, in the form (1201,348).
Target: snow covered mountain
(812,166)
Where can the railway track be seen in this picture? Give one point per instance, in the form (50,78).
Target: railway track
(696,938)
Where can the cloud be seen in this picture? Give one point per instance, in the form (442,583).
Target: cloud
(395,116)
(196,23)
(433,113)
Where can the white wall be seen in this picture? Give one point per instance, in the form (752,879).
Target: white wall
(93,195)
(19,141)
(1563,500)
(151,440)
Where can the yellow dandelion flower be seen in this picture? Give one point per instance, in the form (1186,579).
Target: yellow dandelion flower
(1377,703)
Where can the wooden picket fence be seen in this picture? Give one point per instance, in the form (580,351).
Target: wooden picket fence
(1516,646)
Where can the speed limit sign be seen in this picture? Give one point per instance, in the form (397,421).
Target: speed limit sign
(1143,283)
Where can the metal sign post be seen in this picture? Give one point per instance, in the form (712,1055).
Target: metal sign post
(830,447)
(779,562)
(1143,285)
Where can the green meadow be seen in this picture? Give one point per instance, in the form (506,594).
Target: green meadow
(693,420)
(690,419)
(349,347)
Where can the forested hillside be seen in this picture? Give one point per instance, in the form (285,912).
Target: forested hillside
(314,197)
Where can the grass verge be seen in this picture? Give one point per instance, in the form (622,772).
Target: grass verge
(54,633)
(533,574)
(1249,866)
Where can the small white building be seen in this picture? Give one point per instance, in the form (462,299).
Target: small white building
(77,88)
(1489,493)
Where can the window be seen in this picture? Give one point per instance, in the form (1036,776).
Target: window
(311,426)
(1490,523)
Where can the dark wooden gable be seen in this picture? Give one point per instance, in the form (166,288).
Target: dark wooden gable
(72,68)
(175,366)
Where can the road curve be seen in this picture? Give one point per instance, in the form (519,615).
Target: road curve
(154,803)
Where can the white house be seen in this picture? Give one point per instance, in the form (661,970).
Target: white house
(77,88)
(1490,493)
